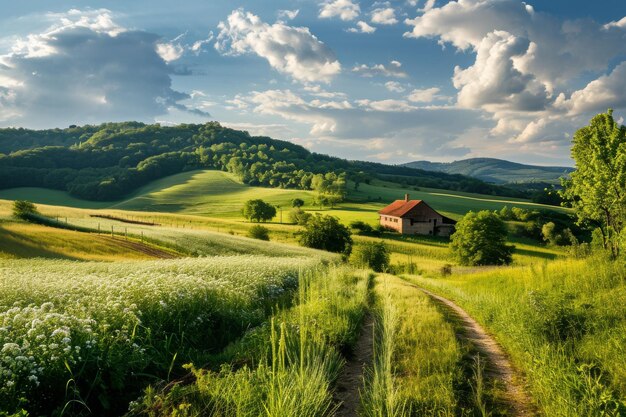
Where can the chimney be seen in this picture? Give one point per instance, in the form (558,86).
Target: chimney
(406,197)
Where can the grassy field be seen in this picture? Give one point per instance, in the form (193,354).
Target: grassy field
(563,324)
(220,194)
(23,240)
(289,364)
(110,328)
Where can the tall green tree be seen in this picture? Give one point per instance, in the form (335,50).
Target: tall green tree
(597,188)
(480,239)
(327,233)
(258,211)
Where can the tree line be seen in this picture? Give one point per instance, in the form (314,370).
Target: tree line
(108,161)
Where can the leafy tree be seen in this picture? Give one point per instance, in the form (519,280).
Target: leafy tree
(327,233)
(258,210)
(373,255)
(259,232)
(480,239)
(24,209)
(597,188)
(299,216)
(297,202)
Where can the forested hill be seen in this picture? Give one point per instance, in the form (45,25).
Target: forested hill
(108,161)
(496,171)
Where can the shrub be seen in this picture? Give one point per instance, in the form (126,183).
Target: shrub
(24,209)
(361,227)
(259,232)
(373,255)
(446,270)
(297,202)
(299,216)
(258,210)
(480,239)
(326,233)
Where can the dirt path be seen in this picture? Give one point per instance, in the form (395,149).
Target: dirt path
(498,365)
(351,377)
(140,247)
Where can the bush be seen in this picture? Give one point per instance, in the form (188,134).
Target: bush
(297,202)
(259,232)
(24,209)
(446,270)
(373,255)
(326,233)
(299,216)
(258,210)
(361,227)
(480,239)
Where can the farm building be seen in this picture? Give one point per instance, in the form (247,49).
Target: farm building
(415,217)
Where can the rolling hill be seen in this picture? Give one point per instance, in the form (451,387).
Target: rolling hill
(497,171)
(221,194)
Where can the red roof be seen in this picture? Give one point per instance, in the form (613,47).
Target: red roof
(400,207)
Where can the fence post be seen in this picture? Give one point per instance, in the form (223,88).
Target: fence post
(112,231)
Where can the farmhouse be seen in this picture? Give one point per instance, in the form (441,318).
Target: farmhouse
(415,217)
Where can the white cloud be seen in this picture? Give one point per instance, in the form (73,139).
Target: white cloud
(387,105)
(170,51)
(294,51)
(288,14)
(429,4)
(391,70)
(607,91)
(358,128)
(426,95)
(362,27)
(384,16)
(394,87)
(494,82)
(560,49)
(344,9)
(86,69)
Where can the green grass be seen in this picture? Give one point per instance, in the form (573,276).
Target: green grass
(451,203)
(562,323)
(289,364)
(217,193)
(206,192)
(23,240)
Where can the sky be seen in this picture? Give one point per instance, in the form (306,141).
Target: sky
(388,81)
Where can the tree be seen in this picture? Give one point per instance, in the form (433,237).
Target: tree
(259,232)
(258,210)
(597,188)
(480,239)
(297,202)
(299,216)
(373,255)
(24,209)
(326,233)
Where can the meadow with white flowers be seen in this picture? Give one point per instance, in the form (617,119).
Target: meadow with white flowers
(86,337)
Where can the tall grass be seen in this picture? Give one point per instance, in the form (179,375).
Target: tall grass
(380,396)
(564,325)
(418,361)
(283,369)
(112,327)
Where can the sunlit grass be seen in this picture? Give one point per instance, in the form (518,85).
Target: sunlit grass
(563,324)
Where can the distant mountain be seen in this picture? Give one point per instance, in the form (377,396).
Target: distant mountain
(497,171)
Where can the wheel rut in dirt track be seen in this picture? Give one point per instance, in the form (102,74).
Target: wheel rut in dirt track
(347,393)
(498,365)
(140,247)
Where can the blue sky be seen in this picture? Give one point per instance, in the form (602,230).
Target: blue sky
(389,81)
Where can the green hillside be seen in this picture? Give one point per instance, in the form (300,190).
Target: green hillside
(496,171)
(112,161)
(221,194)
